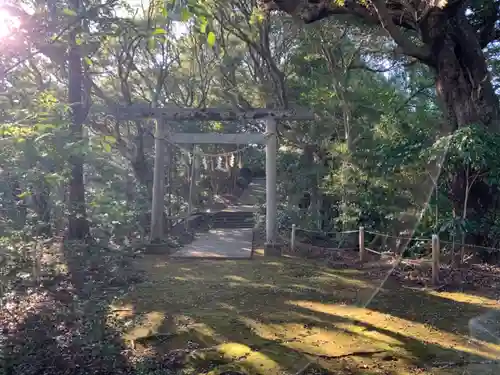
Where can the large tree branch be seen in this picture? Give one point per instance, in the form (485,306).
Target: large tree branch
(376,13)
(409,48)
(314,11)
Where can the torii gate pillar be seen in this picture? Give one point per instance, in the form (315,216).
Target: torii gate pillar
(271,247)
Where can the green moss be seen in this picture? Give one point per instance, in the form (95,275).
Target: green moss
(269,317)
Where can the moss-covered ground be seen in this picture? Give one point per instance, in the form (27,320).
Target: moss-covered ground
(294,316)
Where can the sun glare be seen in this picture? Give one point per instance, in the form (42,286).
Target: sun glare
(8,24)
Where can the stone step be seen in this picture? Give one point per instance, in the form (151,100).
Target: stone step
(232,225)
(232,218)
(237,219)
(236,214)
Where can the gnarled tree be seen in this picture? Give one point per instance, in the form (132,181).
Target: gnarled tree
(447,35)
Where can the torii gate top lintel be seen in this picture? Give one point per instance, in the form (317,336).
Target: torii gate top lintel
(174,113)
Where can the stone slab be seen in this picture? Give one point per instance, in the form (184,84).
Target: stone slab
(219,243)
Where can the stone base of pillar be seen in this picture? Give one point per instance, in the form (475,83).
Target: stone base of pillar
(273,249)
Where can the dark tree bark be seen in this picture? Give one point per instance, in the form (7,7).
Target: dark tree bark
(463,83)
(143,170)
(78,226)
(466,94)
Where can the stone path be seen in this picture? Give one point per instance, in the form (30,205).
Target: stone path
(227,243)
(219,243)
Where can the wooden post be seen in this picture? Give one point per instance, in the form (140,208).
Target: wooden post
(435,259)
(158,203)
(292,238)
(361,239)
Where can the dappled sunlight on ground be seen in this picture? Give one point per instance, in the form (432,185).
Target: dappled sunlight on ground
(147,324)
(468,298)
(274,316)
(364,320)
(248,357)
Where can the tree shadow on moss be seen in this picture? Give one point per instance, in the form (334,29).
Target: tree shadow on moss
(62,325)
(232,301)
(235,346)
(242,353)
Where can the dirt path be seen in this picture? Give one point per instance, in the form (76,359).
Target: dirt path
(276,316)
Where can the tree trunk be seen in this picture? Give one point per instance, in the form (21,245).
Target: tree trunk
(78,225)
(142,168)
(463,87)
(42,207)
(463,83)
(144,174)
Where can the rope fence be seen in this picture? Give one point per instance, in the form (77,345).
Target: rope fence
(373,251)
(396,237)
(433,257)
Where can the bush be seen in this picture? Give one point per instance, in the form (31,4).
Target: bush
(242,182)
(246,173)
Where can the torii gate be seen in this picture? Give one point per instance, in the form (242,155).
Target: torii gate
(270,139)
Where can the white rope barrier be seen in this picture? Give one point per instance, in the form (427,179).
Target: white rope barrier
(373,251)
(493,249)
(325,233)
(429,240)
(397,237)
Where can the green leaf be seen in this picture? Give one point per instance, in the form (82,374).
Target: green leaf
(203,24)
(151,43)
(87,60)
(106,147)
(69,12)
(110,139)
(185,14)
(53,177)
(159,31)
(44,127)
(217,126)
(256,17)
(211,39)
(24,195)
